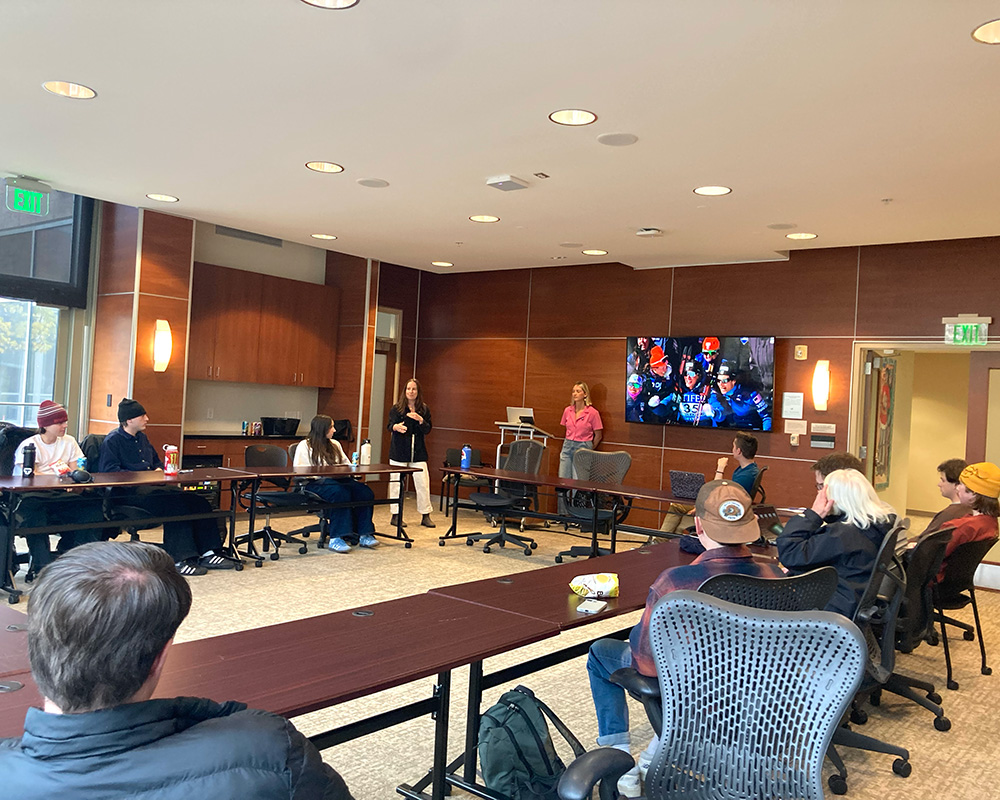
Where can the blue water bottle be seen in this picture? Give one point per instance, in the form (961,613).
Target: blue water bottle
(466,456)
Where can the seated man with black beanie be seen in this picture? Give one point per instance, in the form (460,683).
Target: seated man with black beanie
(194,545)
(101,622)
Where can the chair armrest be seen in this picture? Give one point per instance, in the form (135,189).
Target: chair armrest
(640,686)
(603,764)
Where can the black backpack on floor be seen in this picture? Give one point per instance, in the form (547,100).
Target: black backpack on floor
(516,754)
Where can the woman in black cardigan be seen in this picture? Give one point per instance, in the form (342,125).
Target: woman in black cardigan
(410,422)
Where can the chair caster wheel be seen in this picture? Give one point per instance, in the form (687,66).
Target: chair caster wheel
(559,559)
(486,549)
(258,563)
(527,551)
(469,542)
(932,639)
(408,545)
(534,545)
(942,723)
(969,636)
(306,535)
(987,670)
(14,598)
(859,716)
(303,550)
(934,697)
(275,556)
(902,768)
(441,542)
(953,685)
(837,784)
(238,566)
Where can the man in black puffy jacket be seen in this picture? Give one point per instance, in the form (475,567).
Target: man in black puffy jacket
(102,618)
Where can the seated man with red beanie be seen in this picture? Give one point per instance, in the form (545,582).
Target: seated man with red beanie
(194,545)
(56,453)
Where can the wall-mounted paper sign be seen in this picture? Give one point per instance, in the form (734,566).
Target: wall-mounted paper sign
(823,427)
(796,426)
(791,405)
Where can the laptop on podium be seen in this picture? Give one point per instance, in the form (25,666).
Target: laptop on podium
(519,415)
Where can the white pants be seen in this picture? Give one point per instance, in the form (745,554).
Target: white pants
(421,481)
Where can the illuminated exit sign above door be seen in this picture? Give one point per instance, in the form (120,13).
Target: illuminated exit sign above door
(26,196)
(966,330)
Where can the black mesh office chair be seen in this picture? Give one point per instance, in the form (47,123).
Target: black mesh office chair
(598,467)
(453,458)
(11,437)
(280,499)
(956,590)
(758,488)
(525,455)
(766,733)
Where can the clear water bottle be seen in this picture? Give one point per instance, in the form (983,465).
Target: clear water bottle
(366,452)
(28,465)
(466,456)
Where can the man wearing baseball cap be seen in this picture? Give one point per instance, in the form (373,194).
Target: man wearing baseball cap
(978,487)
(56,453)
(725,524)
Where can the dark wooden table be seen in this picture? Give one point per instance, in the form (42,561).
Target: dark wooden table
(555,482)
(301,666)
(282,474)
(13,487)
(13,642)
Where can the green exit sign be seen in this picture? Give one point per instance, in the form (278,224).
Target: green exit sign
(27,201)
(966,333)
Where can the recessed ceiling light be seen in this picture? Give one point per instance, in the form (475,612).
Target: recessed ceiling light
(712,191)
(594,252)
(373,183)
(484,218)
(74,91)
(331,3)
(442,264)
(800,235)
(323,236)
(163,198)
(324,166)
(572,116)
(988,33)
(618,139)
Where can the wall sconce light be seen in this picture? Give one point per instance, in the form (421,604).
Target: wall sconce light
(821,385)
(163,345)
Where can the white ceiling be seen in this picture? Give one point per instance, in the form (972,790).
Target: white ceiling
(813,112)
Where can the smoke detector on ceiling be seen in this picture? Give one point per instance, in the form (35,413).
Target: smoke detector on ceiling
(647,233)
(506,183)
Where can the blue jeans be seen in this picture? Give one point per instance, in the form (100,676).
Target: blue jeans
(605,657)
(566,465)
(346,523)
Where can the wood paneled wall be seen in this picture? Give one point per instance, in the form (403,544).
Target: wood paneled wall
(523,337)
(144,275)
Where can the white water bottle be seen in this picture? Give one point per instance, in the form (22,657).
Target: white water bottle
(366,452)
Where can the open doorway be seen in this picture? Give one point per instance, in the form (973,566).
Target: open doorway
(385,379)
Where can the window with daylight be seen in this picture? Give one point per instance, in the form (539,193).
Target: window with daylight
(29,336)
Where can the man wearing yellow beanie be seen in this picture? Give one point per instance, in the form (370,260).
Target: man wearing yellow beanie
(978,487)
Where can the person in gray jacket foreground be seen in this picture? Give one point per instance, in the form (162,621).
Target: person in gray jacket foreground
(101,620)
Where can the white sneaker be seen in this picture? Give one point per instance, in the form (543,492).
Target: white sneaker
(630,784)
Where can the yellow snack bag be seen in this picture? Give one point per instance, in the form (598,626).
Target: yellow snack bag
(598,585)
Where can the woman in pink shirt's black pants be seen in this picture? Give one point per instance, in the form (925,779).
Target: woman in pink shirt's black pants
(583,430)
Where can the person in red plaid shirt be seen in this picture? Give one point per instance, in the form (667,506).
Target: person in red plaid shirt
(725,524)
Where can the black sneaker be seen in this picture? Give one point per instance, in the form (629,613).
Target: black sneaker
(215,562)
(188,568)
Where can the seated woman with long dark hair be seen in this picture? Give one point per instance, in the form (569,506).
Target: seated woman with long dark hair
(348,526)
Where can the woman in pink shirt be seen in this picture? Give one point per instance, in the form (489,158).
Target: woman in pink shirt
(583,430)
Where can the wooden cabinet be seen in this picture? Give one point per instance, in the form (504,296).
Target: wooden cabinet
(225,334)
(253,328)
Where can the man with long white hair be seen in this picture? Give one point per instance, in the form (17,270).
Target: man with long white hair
(844,530)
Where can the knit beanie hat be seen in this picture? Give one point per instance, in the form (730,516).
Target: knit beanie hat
(982,478)
(129,409)
(51,413)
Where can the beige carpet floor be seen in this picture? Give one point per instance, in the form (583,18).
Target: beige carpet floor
(961,763)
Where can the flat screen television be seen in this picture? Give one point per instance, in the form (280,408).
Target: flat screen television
(700,381)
